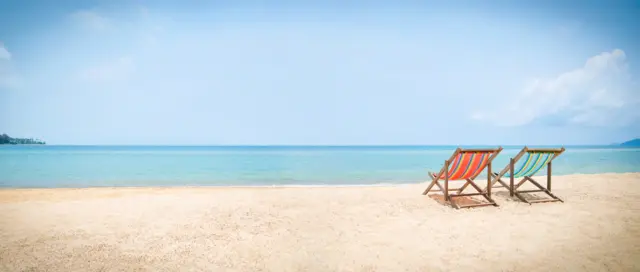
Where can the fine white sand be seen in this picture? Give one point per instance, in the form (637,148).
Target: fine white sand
(388,228)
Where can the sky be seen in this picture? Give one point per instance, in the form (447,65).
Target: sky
(320,72)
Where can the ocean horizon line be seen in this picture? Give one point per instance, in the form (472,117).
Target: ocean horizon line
(324,145)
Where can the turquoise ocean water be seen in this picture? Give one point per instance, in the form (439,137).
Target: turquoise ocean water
(95,166)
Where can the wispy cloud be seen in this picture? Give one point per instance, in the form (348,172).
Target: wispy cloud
(601,93)
(150,28)
(111,71)
(8,77)
(138,28)
(91,20)
(569,28)
(4,53)
(143,26)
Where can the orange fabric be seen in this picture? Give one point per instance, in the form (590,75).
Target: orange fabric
(481,164)
(466,165)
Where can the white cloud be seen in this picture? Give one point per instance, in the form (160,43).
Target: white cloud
(8,77)
(91,20)
(116,70)
(601,93)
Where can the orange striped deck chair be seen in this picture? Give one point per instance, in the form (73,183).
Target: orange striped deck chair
(532,161)
(466,165)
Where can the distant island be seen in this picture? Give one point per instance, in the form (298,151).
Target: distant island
(632,143)
(5,139)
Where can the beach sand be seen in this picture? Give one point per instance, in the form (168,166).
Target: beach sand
(377,228)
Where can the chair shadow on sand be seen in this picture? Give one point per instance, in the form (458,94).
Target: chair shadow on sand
(502,195)
(463,200)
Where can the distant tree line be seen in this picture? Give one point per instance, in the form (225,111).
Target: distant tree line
(5,139)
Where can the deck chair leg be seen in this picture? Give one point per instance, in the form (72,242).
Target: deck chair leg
(459,193)
(484,194)
(464,186)
(511,166)
(549,176)
(503,183)
(545,190)
(488,180)
(440,186)
(480,192)
(541,189)
(443,189)
(515,187)
(514,190)
(433,182)
(495,180)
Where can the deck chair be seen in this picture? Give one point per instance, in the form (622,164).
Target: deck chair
(465,164)
(533,160)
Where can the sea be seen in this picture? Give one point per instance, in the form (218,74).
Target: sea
(51,166)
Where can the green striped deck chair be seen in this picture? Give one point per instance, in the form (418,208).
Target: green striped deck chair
(465,164)
(532,161)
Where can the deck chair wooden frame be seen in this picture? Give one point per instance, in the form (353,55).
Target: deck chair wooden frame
(536,159)
(465,165)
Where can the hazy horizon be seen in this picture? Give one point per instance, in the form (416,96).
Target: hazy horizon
(244,73)
(338,145)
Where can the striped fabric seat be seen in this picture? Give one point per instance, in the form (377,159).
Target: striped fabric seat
(531,163)
(467,165)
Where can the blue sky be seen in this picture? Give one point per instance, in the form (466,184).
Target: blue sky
(323,72)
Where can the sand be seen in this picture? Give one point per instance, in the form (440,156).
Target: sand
(384,228)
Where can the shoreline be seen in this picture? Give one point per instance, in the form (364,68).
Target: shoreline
(382,184)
